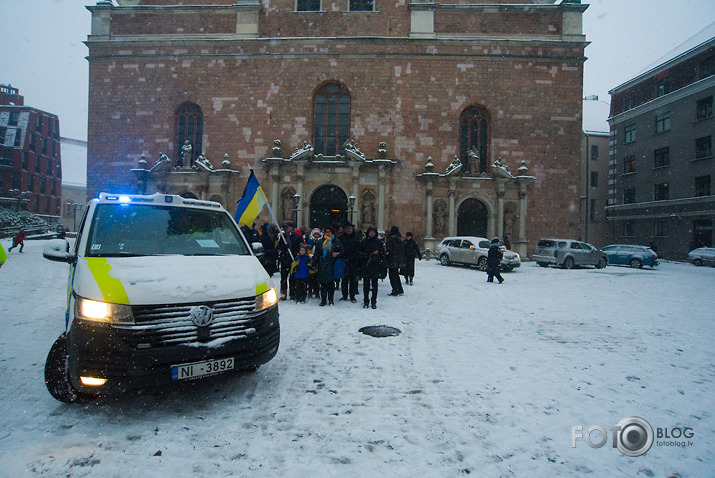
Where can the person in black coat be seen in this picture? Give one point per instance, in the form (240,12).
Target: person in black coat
(350,241)
(288,245)
(268,239)
(412,252)
(326,252)
(494,257)
(395,256)
(372,259)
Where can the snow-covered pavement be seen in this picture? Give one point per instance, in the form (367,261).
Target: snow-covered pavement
(485,379)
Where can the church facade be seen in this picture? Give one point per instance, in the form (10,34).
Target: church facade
(441,118)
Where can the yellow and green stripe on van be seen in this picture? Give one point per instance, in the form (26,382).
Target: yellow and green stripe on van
(111,287)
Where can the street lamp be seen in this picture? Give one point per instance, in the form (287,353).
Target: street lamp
(296,206)
(351,203)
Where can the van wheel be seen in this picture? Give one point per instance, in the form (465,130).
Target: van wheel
(251,369)
(444,259)
(636,263)
(543,264)
(57,374)
(568,263)
(482,263)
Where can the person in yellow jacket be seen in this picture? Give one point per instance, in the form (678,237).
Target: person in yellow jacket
(3,256)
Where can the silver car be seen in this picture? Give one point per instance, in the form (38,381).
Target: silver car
(568,254)
(472,251)
(702,256)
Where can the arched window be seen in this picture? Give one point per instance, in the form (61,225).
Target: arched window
(189,127)
(474,136)
(472,218)
(331,123)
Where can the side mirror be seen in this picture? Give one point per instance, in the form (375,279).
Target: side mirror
(258,249)
(58,250)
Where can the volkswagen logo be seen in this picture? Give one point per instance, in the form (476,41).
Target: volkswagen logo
(202,315)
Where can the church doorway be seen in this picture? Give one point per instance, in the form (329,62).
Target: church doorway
(328,205)
(472,218)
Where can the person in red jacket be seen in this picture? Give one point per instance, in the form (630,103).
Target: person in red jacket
(18,240)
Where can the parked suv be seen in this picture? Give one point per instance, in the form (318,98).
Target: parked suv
(568,254)
(472,251)
(161,289)
(634,256)
(702,256)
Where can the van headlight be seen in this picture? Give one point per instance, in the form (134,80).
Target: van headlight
(102,311)
(267,299)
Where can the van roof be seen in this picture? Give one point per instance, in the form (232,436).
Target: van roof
(156,198)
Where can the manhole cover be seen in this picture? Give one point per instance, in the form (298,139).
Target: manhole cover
(380,331)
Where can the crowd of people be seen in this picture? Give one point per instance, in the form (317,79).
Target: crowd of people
(319,262)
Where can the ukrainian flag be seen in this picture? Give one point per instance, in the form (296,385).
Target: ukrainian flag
(251,203)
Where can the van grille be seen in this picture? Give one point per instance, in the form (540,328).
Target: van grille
(161,326)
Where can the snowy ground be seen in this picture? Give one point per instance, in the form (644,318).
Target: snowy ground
(485,379)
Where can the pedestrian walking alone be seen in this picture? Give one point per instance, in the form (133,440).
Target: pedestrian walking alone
(18,240)
(395,256)
(372,259)
(412,252)
(494,257)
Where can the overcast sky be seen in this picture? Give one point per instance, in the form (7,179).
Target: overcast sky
(44,55)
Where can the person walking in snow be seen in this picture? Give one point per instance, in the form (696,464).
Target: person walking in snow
(412,252)
(494,257)
(372,259)
(18,240)
(395,256)
(326,252)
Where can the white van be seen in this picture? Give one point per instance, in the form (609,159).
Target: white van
(161,289)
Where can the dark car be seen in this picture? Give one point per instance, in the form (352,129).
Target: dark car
(634,256)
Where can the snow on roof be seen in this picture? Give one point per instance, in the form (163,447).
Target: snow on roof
(74,162)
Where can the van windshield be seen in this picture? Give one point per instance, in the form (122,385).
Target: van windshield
(119,230)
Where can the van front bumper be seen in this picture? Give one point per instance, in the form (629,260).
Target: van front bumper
(99,350)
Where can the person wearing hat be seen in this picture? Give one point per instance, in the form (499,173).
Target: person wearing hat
(395,256)
(372,258)
(494,257)
(288,246)
(351,242)
(412,252)
(327,251)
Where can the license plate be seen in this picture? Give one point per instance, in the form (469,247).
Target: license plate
(201,369)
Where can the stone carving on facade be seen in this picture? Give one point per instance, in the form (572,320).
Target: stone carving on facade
(367,200)
(453,167)
(277,148)
(203,162)
(304,151)
(352,151)
(226,164)
(187,152)
(382,150)
(439,216)
(162,164)
(510,219)
(523,170)
(287,204)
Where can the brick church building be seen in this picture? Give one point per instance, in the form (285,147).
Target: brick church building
(449,118)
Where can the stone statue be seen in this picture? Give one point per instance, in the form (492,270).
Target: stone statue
(368,208)
(287,204)
(510,219)
(439,216)
(186,154)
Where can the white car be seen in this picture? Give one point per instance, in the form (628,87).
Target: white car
(702,256)
(472,251)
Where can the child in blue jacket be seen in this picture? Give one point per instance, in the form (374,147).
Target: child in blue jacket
(301,273)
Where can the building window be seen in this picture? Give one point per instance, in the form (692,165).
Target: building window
(190,127)
(50,170)
(43,185)
(3,133)
(660,192)
(705,108)
(662,87)
(17,138)
(32,141)
(629,164)
(662,122)
(16,180)
(308,6)
(661,157)
(594,179)
(707,67)
(628,228)
(629,196)
(53,188)
(31,183)
(594,152)
(47,205)
(592,210)
(14,118)
(703,147)
(25,159)
(630,102)
(660,227)
(37,163)
(39,124)
(629,133)
(59,170)
(331,128)
(44,145)
(362,5)
(474,138)
(702,186)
